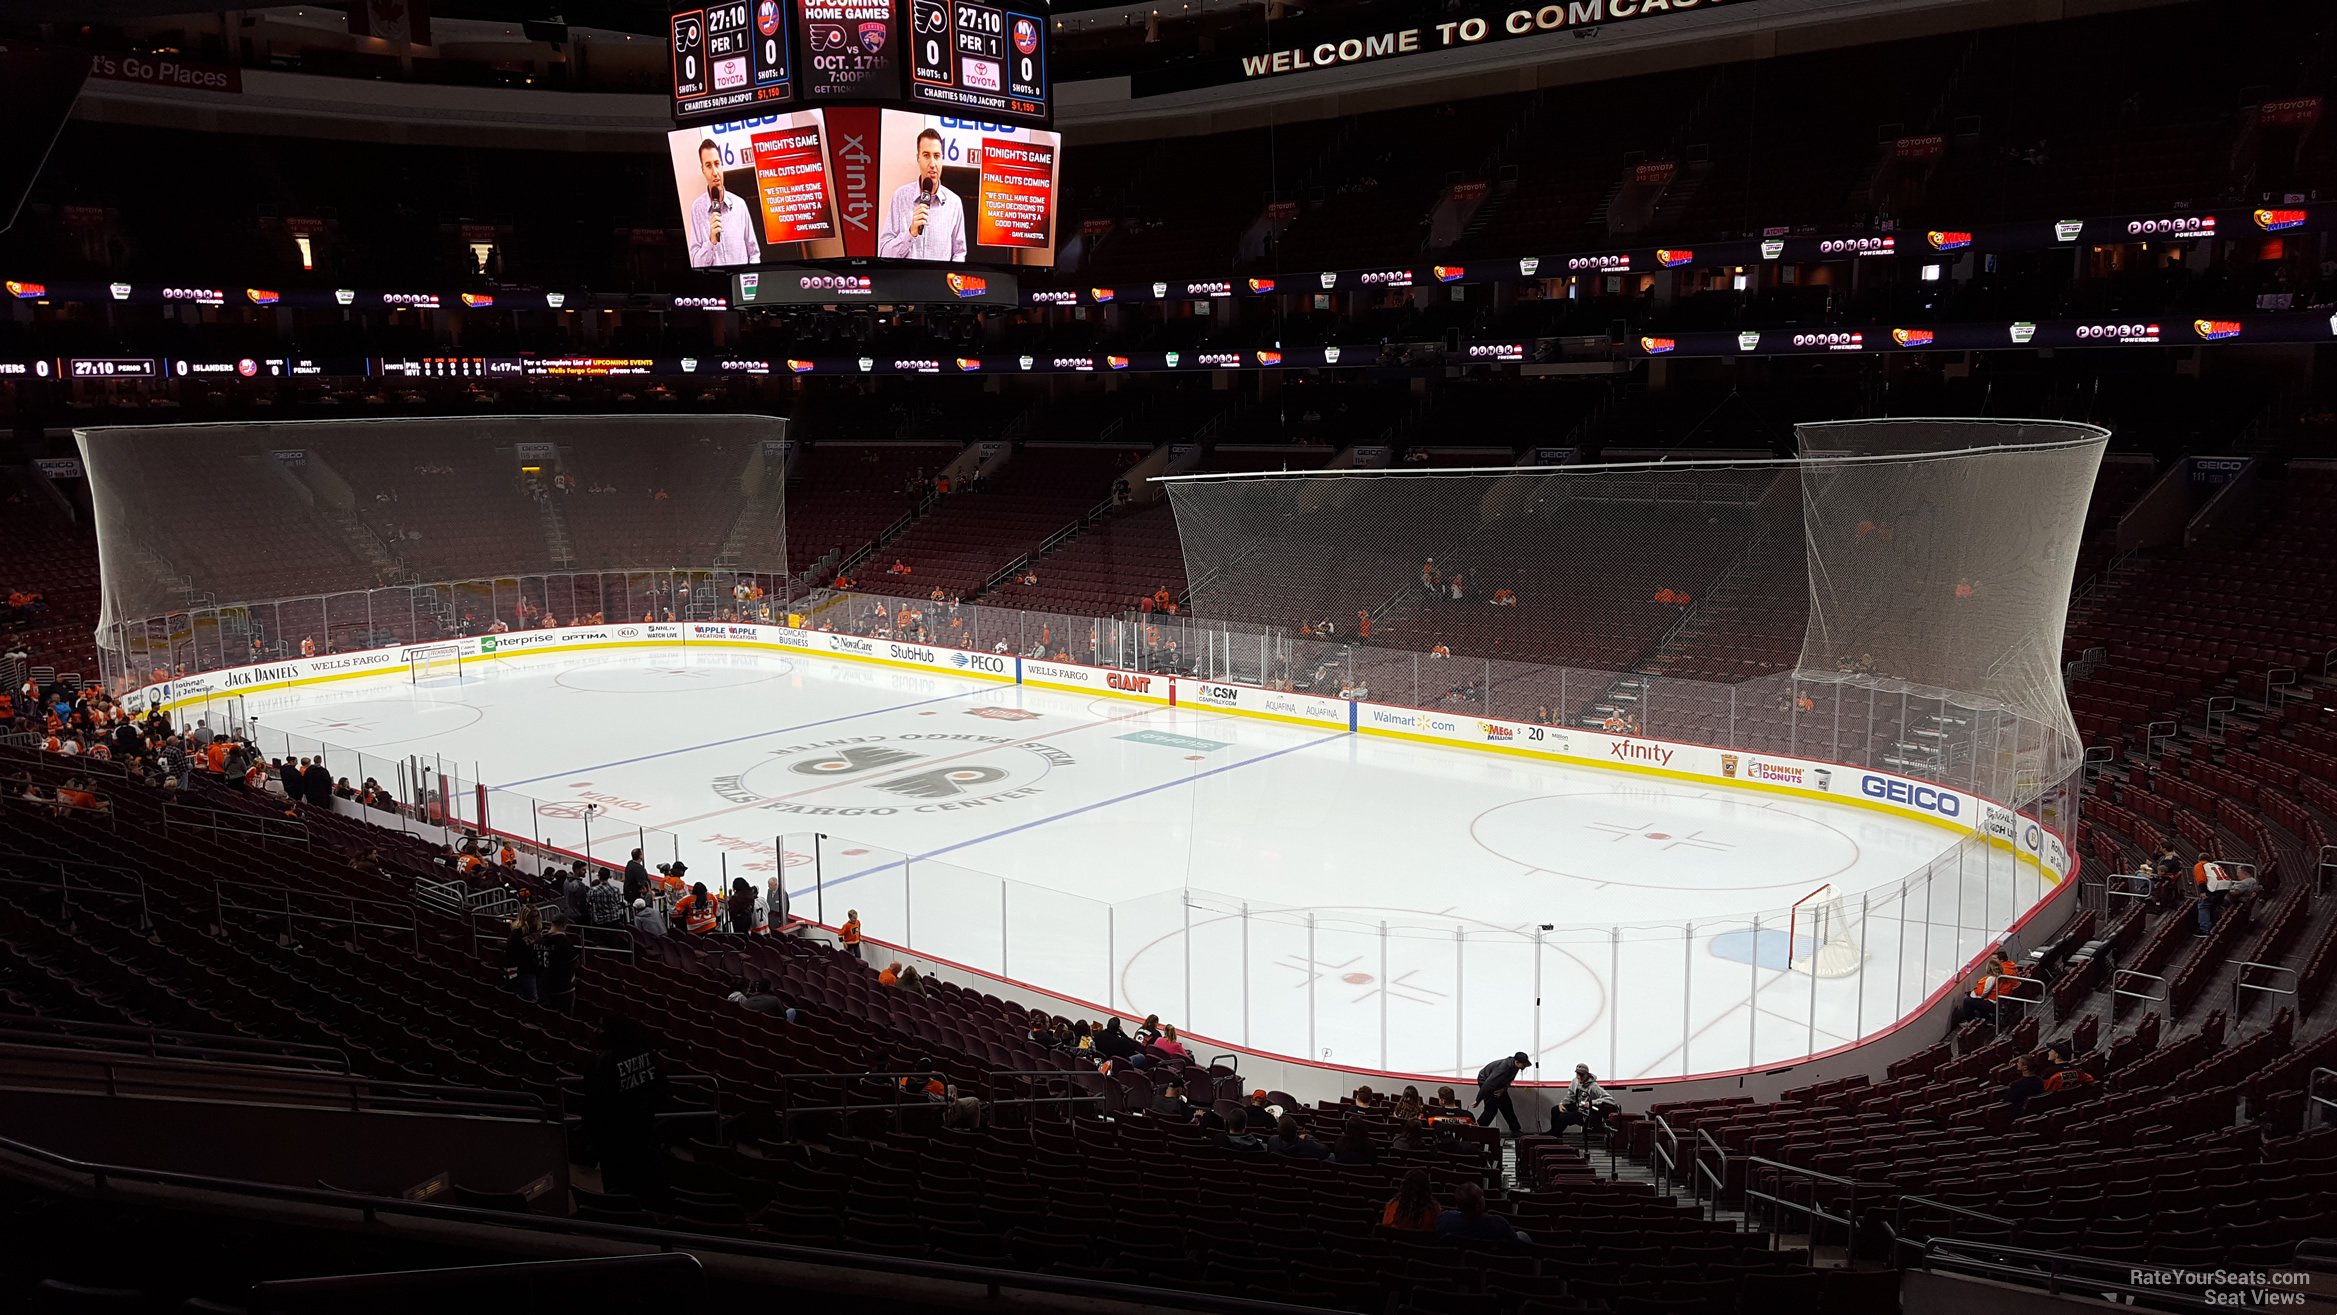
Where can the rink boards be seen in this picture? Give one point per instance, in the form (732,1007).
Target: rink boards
(2026,837)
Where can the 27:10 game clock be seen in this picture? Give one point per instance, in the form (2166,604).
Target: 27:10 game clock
(980,59)
(973,57)
(731,56)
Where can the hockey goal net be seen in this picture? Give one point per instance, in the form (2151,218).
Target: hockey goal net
(443,662)
(1819,938)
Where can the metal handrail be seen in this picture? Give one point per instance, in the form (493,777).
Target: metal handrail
(253,824)
(2061,1272)
(1779,1202)
(1716,1173)
(995,1280)
(2241,983)
(213,1047)
(674,1271)
(292,914)
(2313,1089)
(1664,1145)
(354,1092)
(66,884)
(2118,975)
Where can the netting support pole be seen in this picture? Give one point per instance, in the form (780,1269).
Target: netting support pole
(1245,972)
(1311,975)
(1817,948)
(1002,968)
(1858,1018)
(1460,990)
(1793,718)
(1614,994)
(1537,999)
(1383,995)
(1111,952)
(1188,939)
(1687,987)
(1753,994)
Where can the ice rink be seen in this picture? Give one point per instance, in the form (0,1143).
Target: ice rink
(1329,896)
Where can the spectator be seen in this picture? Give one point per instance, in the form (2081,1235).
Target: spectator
(1170,1103)
(891,976)
(576,898)
(1114,1043)
(2030,1083)
(560,954)
(911,982)
(1354,1145)
(624,1091)
(647,921)
(1239,1137)
(1996,982)
(1413,1208)
(2063,1072)
(523,953)
(1365,1098)
(317,785)
(636,879)
(763,1002)
(1447,1105)
(774,912)
(742,906)
(1493,1091)
(848,935)
(1168,1044)
(1261,1109)
(1148,1031)
(1468,1220)
(1292,1140)
(2214,888)
(605,901)
(1586,1103)
(1409,1107)
(697,910)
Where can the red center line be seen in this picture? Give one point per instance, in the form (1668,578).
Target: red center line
(921,765)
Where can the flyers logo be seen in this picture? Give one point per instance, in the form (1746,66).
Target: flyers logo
(1450,273)
(1671,257)
(2272,221)
(968,285)
(1912,337)
(1657,346)
(2216,330)
(262,297)
(853,761)
(942,782)
(1947,240)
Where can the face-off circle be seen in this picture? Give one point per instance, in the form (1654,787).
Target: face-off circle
(1660,839)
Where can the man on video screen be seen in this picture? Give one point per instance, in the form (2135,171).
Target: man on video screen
(722,223)
(925,221)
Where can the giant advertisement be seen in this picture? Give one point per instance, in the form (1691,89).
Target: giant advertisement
(862,183)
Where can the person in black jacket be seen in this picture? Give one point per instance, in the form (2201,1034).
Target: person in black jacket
(623,1093)
(1493,1091)
(559,952)
(317,785)
(636,878)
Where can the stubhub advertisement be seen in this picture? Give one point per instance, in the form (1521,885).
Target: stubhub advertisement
(1858,787)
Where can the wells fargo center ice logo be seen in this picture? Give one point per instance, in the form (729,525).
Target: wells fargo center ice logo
(881,775)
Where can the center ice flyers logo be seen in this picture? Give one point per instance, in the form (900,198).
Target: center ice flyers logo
(879,776)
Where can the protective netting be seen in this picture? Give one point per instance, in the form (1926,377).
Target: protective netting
(1893,597)
(1937,570)
(221,543)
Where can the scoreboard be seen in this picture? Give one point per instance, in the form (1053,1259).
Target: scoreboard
(730,57)
(987,59)
(976,58)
